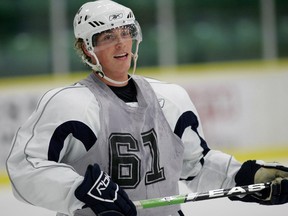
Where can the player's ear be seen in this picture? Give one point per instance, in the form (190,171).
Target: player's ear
(85,51)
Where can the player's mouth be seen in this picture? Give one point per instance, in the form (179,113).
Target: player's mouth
(121,56)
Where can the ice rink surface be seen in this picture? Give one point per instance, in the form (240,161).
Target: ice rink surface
(9,206)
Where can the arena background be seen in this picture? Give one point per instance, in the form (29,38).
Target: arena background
(231,57)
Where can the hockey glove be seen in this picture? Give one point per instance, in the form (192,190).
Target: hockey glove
(102,195)
(253,172)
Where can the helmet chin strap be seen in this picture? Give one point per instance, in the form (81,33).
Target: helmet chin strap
(98,68)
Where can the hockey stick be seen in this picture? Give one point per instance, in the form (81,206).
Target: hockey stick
(191,197)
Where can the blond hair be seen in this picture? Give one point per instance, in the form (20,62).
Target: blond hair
(79,43)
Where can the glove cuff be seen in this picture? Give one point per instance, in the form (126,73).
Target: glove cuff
(246,174)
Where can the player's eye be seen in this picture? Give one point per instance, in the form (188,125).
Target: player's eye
(111,36)
(107,37)
(125,33)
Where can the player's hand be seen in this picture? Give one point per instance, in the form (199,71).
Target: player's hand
(102,195)
(253,172)
(278,175)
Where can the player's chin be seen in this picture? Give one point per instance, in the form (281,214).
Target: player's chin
(124,64)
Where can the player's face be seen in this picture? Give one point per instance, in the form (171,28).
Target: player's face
(114,49)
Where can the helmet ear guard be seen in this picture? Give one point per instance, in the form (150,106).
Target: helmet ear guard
(98,16)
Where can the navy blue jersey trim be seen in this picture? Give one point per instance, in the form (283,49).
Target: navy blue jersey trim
(78,129)
(189,119)
(187,179)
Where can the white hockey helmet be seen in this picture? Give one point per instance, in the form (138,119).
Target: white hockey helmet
(98,16)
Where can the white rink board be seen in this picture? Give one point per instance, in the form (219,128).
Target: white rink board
(242,110)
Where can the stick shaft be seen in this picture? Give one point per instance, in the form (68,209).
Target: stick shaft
(192,197)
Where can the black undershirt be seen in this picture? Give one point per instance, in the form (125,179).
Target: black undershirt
(126,93)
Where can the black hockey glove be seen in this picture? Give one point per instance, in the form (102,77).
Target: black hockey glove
(253,172)
(102,195)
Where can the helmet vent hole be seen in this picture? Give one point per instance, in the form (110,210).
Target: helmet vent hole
(79,21)
(86,17)
(96,23)
(130,15)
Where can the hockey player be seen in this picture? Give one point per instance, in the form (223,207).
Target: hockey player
(92,147)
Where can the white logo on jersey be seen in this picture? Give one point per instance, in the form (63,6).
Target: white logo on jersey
(161,102)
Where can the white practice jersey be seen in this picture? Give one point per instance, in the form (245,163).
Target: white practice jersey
(66,124)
